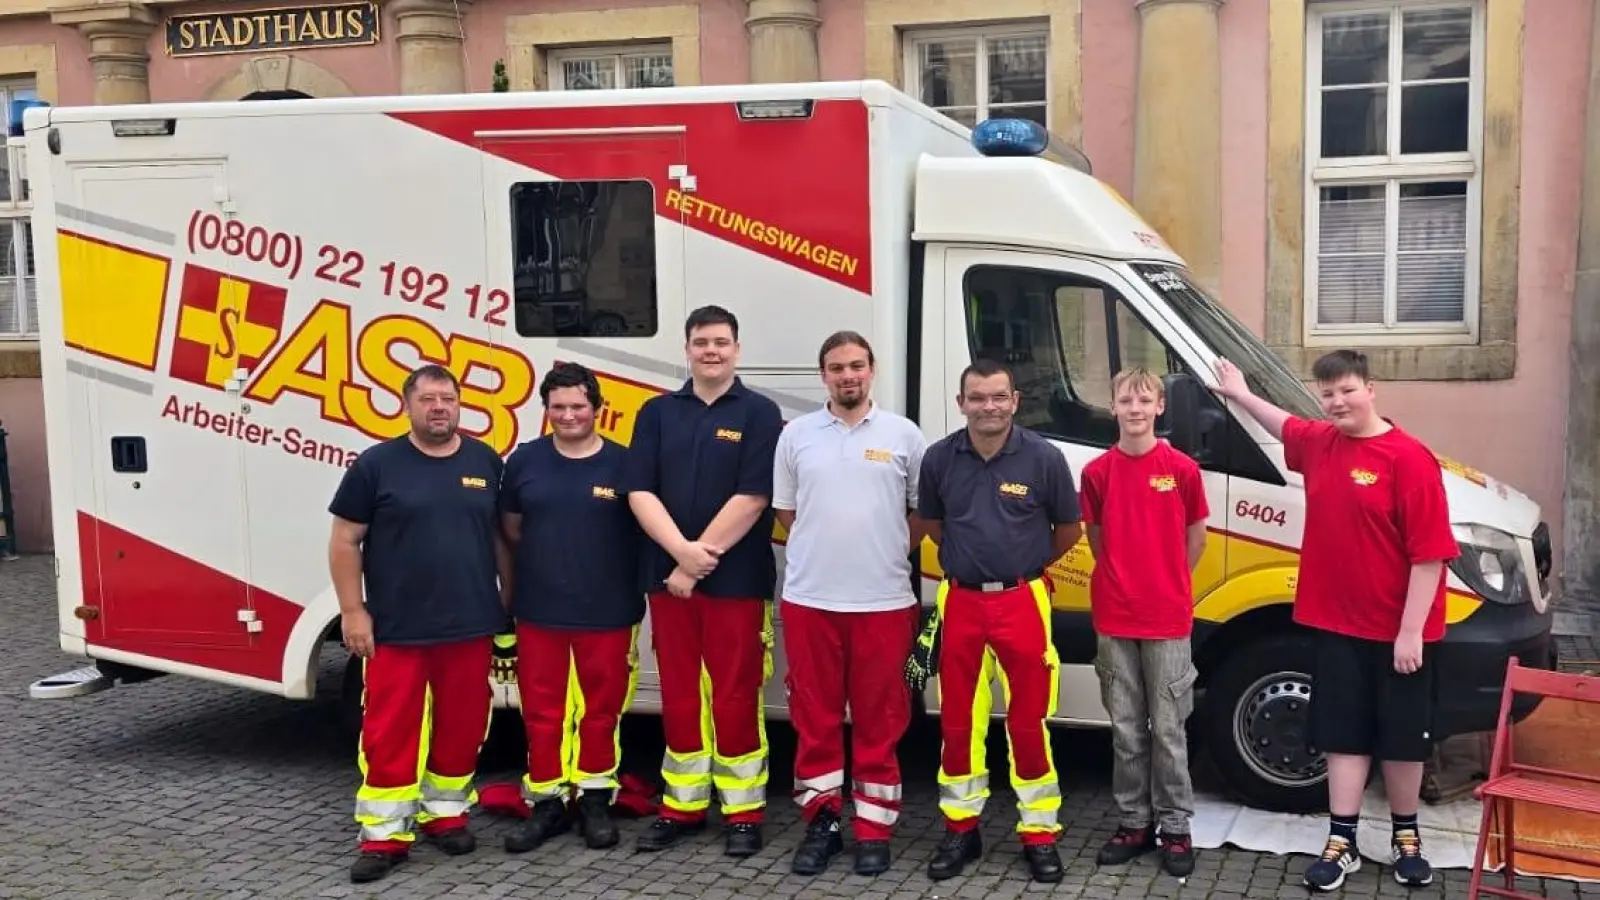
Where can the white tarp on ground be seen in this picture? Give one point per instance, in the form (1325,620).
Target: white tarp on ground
(1449,831)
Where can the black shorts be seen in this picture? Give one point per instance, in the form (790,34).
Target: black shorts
(1362,707)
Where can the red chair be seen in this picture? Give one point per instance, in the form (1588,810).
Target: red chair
(1511,782)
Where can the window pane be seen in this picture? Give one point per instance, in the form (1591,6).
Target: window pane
(1017,69)
(966,115)
(949,73)
(585,259)
(1355,122)
(1355,49)
(1433,118)
(11,298)
(29,282)
(1432,264)
(1437,44)
(1034,111)
(648,71)
(589,74)
(1350,260)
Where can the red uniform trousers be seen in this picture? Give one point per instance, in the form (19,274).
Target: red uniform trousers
(854,658)
(426,714)
(714,656)
(574,686)
(1005,632)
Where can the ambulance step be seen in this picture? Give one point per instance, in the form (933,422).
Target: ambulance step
(76,683)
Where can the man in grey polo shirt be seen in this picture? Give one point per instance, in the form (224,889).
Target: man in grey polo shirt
(844,488)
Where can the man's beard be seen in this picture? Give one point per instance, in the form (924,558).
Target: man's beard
(851,402)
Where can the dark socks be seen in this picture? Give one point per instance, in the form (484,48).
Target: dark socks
(1344,826)
(1404,823)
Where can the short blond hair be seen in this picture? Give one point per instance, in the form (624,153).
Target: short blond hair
(1138,378)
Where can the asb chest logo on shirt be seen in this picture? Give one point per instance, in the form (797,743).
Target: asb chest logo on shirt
(473,481)
(601,492)
(1364,477)
(879,456)
(1013,489)
(728,434)
(1164,483)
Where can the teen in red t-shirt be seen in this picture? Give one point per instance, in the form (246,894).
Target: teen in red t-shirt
(1145,508)
(1371,588)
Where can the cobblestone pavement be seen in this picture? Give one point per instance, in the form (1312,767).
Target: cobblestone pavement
(178,789)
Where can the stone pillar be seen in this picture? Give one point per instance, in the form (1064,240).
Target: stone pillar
(783,41)
(1177,161)
(1580,519)
(429,34)
(119,47)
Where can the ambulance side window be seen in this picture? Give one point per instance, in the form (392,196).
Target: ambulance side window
(584,259)
(1063,337)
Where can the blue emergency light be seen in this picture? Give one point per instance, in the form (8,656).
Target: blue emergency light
(18,107)
(1025,137)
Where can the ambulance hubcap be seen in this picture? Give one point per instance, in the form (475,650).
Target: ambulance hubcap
(1269,728)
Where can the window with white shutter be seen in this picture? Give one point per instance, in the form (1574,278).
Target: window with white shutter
(606,68)
(1394,169)
(980,72)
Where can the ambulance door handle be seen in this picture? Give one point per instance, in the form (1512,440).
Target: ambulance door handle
(128,455)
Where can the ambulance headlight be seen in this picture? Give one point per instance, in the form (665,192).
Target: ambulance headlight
(1010,137)
(1490,564)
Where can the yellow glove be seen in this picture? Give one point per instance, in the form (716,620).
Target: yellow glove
(924,658)
(504,664)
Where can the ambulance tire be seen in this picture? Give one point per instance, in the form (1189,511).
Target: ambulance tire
(1254,720)
(350,698)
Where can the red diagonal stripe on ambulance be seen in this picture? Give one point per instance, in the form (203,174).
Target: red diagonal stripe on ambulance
(793,190)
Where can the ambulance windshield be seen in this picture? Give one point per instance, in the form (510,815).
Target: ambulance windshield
(1267,375)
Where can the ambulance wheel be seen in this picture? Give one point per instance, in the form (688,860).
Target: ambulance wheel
(1255,724)
(350,697)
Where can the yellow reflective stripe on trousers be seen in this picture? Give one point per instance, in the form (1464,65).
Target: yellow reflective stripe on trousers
(742,780)
(607,780)
(390,813)
(1039,799)
(962,796)
(445,796)
(688,775)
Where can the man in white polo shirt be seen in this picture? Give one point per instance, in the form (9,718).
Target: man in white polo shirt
(844,488)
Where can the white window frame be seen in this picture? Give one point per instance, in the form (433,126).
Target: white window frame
(12,210)
(914,38)
(1393,170)
(615,52)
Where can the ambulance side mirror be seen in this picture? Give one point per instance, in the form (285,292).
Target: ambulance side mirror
(1192,422)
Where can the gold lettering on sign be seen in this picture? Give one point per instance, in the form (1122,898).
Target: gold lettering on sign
(338,25)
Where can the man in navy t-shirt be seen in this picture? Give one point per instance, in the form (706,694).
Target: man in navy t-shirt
(578,606)
(415,530)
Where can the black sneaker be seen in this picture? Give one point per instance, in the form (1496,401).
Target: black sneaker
(821,843)
(741,839)
(455,842)
(1044,862)
(1339,858)
(372,865)
(594,820)
(1127,845)
(665,832)
(1177,855)
(548,819)
(1411,868)
(872,857)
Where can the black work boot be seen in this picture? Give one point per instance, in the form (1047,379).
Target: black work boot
(822,842)
(594,820)
(372,865)
(455,842)
(549,818)
(1044,862)
(954,852)
(665,832)
(872,857)
(742,839)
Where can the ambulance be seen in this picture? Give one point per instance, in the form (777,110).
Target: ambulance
(232,293)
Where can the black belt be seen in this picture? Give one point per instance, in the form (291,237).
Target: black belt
(994,587)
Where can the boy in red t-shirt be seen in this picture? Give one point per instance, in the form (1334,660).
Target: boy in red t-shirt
(1371,589)
(1145,508)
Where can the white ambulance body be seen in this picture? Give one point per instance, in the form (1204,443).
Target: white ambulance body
(232,293)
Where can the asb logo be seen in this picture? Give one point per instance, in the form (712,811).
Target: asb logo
(224,323)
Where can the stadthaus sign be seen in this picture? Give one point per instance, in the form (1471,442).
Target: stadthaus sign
(339,25)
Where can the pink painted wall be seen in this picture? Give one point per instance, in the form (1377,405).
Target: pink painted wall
(1110,64)
(74,80)
(842,40)
(22,415)
(1528,413)
(1243,44)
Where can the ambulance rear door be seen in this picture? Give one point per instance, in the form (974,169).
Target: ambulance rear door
(167,557)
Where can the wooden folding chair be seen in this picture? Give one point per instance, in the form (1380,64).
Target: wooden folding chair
(1511,782)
